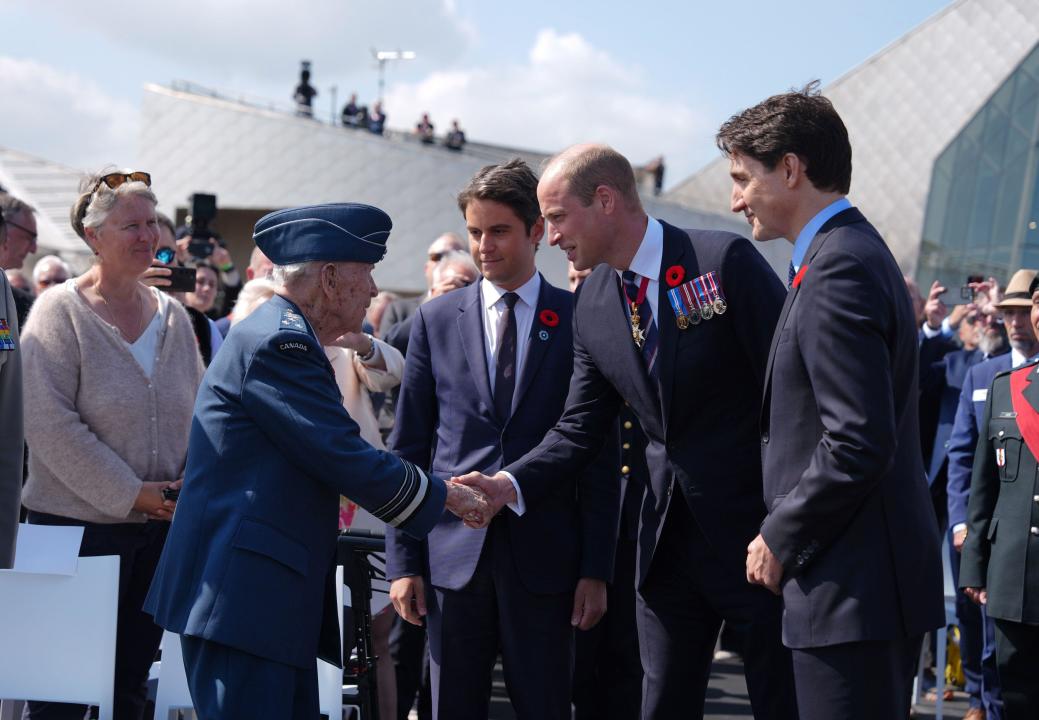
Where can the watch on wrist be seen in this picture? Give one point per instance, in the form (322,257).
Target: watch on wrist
(367,357)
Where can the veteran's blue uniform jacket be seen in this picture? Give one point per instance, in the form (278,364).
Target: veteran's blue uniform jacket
(248,558)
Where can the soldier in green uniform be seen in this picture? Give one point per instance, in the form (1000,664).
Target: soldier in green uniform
(1000,563)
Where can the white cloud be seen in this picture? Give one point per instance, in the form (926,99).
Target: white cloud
(63,117)
(568,91)
(257,42)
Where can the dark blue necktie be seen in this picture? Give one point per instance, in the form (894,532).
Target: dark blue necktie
(649,328)
(505,366)
(790,275)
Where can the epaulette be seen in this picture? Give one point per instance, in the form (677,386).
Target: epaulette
(292,320)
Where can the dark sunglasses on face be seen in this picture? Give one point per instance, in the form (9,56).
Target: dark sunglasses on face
(114,180)
(165,255)
(435,256)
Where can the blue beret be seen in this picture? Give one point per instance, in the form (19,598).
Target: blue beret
(336,232)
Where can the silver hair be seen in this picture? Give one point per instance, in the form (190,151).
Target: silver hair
(45,263)
(253,294)
(11,206)
(455,258)
(96,200)
(286,274)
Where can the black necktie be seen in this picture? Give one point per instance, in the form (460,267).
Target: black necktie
(505,367)
(790,275)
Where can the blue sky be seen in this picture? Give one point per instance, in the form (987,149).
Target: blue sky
(650,78)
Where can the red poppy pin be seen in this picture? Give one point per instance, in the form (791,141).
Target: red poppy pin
(548,318)
(674,275)
(799,276)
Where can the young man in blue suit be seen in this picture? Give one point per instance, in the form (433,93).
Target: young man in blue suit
(246,576)
(486,377)
(850,539)
(977,631)
(676,323)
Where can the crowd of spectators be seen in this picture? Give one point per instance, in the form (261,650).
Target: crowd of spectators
(357,116)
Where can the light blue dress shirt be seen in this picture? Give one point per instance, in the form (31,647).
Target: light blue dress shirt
(808,232)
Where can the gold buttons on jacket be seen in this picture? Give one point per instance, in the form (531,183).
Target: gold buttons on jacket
(625,470)
(627,424)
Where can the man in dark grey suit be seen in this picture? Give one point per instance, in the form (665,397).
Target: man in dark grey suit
(850,539)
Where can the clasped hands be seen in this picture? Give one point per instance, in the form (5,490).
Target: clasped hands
(477,498)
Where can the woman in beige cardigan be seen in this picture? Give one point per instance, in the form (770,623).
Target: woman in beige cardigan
(112,368)
(362,365)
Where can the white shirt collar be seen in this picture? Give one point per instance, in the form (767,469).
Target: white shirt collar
(528,291)
(650,254)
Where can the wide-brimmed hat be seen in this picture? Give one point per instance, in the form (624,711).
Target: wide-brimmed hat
(1019,290)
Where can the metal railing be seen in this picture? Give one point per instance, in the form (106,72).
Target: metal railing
(485,151)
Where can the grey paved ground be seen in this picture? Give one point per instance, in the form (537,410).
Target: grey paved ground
(726,698)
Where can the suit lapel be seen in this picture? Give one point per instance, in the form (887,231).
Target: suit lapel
(676,244)
(845,217)
(470,330)
(536,347)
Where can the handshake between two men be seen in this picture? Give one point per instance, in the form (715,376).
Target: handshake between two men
(477,498)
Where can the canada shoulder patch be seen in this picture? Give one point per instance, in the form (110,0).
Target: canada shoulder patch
(293,346)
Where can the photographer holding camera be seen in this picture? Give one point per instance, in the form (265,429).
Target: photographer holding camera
(174,276)
(112,369)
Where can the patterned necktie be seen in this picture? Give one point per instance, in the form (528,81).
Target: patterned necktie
(505,365)
(649,347)
(790,275)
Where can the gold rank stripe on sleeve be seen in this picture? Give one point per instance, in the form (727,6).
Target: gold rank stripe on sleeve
(412,493)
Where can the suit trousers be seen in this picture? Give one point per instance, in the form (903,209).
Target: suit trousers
(977,647)
(495,611)
(138,546)
(228,683)
(689,590)
(1017,655)
(607,668)
(411,664)
(856,681)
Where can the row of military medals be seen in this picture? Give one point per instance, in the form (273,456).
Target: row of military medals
(696,300)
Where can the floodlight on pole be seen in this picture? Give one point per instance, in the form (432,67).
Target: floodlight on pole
(385,56)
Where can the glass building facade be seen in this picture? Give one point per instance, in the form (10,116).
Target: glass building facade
(982,214)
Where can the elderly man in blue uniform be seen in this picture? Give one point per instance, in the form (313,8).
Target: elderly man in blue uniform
(246,575)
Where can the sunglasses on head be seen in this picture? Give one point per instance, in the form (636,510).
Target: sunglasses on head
(165,255)
(114,180)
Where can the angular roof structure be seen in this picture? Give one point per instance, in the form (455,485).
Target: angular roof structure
(903,106)
(51,189)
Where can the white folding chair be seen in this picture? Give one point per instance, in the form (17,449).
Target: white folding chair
(172,691)
(63,627)
(329,677)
